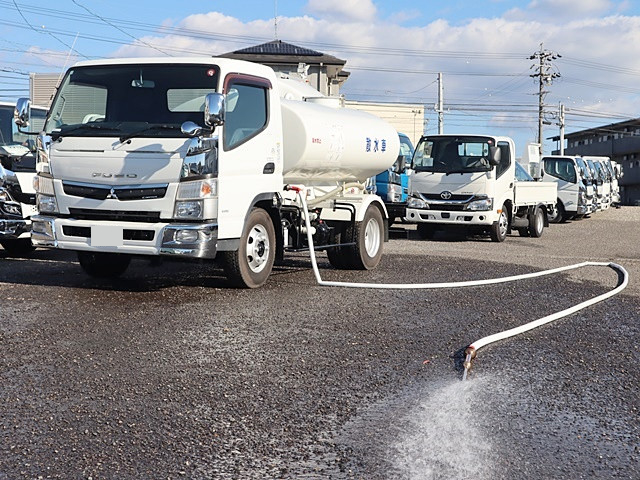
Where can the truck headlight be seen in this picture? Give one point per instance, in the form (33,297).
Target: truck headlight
(417,202)
(4,195)
(46,203)
(43,185)
(191,209)
(481,205)
(197,189)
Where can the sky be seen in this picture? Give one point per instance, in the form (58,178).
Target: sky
(393,49)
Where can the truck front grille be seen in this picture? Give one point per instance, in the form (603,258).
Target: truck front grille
(452,198)
(115,215)
(445,207)
(102,192)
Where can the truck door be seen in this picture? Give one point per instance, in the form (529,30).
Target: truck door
(505,176)
(250,161)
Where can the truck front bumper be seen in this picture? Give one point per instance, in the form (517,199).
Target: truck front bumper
(14,229)
(171,239)
(452,217)
(12,224)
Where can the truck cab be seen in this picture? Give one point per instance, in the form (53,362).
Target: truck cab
(573,197)
(17,170)
(598,184)
(604,180)
(469,181)
(392,185)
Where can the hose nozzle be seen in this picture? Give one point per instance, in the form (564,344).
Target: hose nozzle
(470,353)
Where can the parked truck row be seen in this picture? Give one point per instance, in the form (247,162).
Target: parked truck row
(208,159)
(585,184)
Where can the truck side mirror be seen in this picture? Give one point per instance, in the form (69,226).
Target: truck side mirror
(495,156)
(214,109)
(400,164)
(22,112)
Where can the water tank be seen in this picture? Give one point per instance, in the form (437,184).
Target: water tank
(324,145)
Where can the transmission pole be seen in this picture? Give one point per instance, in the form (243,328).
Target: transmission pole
(545,72)
(440,108)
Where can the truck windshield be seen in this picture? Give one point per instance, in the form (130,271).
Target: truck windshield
(119,100)
(452,154)
(584,168)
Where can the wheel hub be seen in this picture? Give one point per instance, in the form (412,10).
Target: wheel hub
(257,248)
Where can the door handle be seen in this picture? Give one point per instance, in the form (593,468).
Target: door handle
(269,168)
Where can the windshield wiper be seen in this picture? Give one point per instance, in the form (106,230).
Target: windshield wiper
(148,128)
(55,134)
(464,170)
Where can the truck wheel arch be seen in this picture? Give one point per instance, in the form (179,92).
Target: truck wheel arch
(265,201)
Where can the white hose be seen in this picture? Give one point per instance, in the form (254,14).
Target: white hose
(473,348)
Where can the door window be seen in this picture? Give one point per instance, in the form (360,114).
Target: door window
(246,113)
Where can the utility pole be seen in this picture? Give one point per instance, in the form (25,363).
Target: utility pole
(440,108)
(561,129)
(546,75)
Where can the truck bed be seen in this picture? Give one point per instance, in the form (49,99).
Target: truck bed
(533,193)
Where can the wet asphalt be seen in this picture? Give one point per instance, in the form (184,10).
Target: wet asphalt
(167,373)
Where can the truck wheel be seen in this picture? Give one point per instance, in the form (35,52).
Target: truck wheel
(338,257)
(559,214)
(18,247)
(499,229)
(368,236)
(103,265)
(536,222)
(426,231)
(251,264)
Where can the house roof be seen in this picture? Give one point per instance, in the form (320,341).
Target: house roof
(278,52)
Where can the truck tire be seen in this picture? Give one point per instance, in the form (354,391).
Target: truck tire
(337,256)
(536,222)
(103,265)
(559,214)
(500,228)
(251,264)
(18,247)
(426,231)
(368,237)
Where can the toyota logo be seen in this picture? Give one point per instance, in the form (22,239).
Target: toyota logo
(445,195)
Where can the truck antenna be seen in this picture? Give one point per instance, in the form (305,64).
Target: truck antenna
(275,19)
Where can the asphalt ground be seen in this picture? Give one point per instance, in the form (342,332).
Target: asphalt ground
(167,373)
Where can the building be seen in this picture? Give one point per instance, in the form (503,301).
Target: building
(618,141)
(323,72)
(326,74)
(42,87)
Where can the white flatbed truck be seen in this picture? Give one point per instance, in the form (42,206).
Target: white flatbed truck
(471,181)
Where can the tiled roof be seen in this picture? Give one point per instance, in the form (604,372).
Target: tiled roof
(278,47)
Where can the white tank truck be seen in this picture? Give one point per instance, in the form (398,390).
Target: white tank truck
(203,158)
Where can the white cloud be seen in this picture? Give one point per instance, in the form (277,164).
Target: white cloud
(391,62)
(54,58)
(341,10)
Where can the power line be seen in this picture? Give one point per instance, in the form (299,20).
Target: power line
(118,28)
